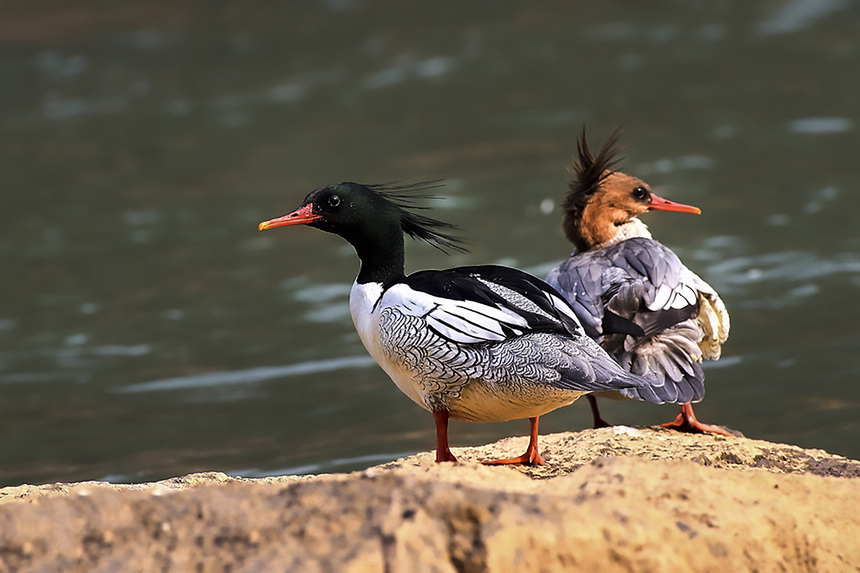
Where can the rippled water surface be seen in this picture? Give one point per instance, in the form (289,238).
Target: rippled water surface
(147,329)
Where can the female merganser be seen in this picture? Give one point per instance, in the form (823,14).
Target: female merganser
(631,293)
(480,344)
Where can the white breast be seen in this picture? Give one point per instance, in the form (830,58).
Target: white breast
(365,307)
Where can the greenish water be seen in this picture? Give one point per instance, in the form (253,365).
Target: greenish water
(147,329)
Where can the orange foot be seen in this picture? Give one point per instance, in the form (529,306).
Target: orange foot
(443,456)
(686,422)
(532,456)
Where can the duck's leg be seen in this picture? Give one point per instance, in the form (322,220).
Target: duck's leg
(443,453)
(599,422)
(532,456)
(686,422)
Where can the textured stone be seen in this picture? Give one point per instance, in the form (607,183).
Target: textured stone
(614,499)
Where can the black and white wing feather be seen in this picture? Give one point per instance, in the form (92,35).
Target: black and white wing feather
(489,304)
(474,310)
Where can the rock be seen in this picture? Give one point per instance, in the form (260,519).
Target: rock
(613,499)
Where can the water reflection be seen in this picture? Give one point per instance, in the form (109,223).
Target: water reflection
(248,376)
(821,125)
(797,15)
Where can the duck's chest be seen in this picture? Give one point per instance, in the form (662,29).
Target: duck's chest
(374,327)
(363,301)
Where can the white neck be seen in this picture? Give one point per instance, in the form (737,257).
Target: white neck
(632,228)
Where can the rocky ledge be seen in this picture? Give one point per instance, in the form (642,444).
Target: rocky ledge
(614,499)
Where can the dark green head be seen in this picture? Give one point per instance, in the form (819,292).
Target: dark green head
(373,218)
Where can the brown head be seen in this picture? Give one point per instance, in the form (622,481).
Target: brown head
(601,200)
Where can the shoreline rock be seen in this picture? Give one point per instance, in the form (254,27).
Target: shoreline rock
(613,499)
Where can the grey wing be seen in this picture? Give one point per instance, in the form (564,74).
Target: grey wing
(645,285)
(662,297)
(652,314)
(579,279)
(589,368)
(588,281)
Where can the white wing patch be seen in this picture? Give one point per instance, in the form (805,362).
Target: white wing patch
(460,321)
(661,298)
(666,297)
(563,307)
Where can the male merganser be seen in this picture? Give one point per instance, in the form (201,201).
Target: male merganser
(480,343)
(631,293)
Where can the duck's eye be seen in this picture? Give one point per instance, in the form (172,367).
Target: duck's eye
(334,201)
(641,194)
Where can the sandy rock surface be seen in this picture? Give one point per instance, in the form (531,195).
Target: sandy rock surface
(614,499)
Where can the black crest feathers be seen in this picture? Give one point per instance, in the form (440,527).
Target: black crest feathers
(588,171)
(405,199)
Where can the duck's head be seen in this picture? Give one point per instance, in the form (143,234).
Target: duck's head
(359,212)
(342,208)
(601,201)
(373,218)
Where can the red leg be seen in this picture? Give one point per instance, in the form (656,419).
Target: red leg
(532,456)
(443,454)
(686,422)
(599,422)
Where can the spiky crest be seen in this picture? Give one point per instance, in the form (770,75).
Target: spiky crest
(404,198)
(587,173)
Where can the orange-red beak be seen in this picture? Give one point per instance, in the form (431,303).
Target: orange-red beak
(660,204)
(301,216)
